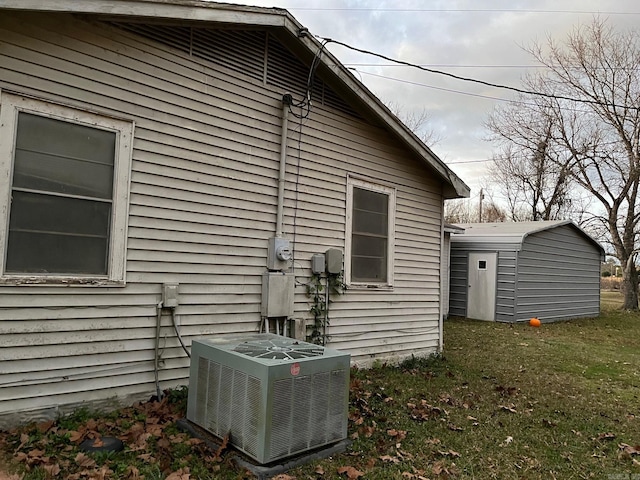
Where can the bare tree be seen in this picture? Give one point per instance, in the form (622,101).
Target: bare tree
(492,212)
(592,104)
(460,211)
(530,170)
(467,210)
(417,121)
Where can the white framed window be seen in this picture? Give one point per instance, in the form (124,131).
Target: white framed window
(370,235)
(64,191)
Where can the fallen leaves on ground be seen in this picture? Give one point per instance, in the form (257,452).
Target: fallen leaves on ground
(181,474)
(142,428)
(507,441)
(350,472)
(511,408)
(416,474)
(628,450)
(7,476)
(423,411)
(439,468)
(506,391)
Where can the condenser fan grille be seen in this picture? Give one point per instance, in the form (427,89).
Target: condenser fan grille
(278,349)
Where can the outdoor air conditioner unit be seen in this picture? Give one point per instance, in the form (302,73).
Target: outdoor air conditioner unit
(274,396)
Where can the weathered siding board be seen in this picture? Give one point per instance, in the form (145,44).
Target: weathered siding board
(202,204)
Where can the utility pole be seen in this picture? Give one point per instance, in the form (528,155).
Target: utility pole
(480,207)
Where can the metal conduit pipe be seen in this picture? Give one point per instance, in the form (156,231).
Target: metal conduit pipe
(175,327)
(286,104)
(156,360)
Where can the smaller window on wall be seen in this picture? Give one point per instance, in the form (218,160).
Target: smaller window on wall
(63,207)
(370,234)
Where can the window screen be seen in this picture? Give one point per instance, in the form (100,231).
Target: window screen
(61,197)
(369,236)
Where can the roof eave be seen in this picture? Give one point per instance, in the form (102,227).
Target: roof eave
(187,10)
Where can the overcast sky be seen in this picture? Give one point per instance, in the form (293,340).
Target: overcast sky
(482,39)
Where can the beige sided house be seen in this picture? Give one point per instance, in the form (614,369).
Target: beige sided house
(153,165)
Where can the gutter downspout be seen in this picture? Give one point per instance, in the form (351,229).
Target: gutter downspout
(156,358)
(443,272)
(286,103)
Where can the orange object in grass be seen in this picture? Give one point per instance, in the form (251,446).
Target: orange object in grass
(534,322)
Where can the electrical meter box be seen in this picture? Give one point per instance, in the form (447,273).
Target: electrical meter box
(278,253)
(333,258)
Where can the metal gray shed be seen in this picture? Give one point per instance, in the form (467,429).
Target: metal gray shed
(511,272)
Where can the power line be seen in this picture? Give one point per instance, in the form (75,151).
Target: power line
(418,84)
(452,65)
(472,80)
(461,162)
(458,10)
(443,65)
(450,90)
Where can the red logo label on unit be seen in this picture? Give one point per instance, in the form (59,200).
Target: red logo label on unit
(295,369)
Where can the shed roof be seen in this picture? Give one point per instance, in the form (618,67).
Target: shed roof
(451,228)
(513,232)
(289,31)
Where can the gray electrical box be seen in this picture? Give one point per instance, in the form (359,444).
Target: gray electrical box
(334,260)
(317,263)
(277,294)
(278,254)
(170,295)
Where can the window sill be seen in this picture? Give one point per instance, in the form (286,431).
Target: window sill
(60,281)
(370,287)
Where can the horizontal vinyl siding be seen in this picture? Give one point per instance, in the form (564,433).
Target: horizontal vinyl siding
(369,324)
(559,276)
(202,206)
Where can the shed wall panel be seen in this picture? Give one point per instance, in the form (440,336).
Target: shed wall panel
(507,284)
(559,276)
(458,278)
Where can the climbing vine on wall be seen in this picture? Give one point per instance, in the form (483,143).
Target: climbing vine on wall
(319,289)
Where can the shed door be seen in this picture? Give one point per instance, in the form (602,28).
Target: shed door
(481,297)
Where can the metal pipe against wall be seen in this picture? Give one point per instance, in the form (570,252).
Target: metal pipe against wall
(156,359)
(286,103)
(444,270)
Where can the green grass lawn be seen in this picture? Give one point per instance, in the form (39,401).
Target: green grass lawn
(504,401)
